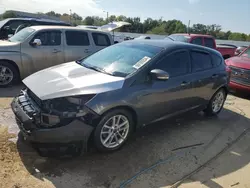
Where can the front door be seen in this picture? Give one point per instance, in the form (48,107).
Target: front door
(162,98)
(49,53)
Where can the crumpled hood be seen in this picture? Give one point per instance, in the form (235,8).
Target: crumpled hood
(6,46)
(70,79)
(238,61)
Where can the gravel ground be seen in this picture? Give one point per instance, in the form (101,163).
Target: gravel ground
(156,156)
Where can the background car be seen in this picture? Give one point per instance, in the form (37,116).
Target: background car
(240,67)
(11,26)
(119,89)
(38,47)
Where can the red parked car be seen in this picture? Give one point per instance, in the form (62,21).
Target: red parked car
(240,71)
(227,51)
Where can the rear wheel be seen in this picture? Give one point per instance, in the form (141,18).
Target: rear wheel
(113,130)
(216,103)
(8,74)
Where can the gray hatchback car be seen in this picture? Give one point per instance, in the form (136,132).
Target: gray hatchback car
(118,90)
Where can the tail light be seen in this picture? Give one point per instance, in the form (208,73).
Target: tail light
(228,69)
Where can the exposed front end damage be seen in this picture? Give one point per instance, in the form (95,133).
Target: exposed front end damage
(54,122)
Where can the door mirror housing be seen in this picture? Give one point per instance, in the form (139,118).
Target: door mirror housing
(159,74)
(10,35)
(36,42)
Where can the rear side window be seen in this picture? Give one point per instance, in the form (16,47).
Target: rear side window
(217,60)
(197,40)
(77,38)
(101,39)
(209,42)
(200,61)
(175,64)
(49,38)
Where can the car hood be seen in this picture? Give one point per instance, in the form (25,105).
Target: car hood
(6,46)
(70,79)
(238,61)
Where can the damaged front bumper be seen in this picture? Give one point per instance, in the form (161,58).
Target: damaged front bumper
(27,117)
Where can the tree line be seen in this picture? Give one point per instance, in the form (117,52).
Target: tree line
(148,26)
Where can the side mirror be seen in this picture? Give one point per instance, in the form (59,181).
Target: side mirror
(36,42)
(10,35)
(159,74)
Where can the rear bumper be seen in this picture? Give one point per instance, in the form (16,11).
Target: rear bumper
(238,86)
(75,131)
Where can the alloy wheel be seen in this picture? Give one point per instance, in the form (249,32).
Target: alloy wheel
(6,75)
(115,131)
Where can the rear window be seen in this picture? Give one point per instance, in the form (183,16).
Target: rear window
(77,38)
(209,42)
(200,61)
(217,60)
(101,39)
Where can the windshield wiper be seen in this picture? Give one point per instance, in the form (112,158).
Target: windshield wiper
(98,69)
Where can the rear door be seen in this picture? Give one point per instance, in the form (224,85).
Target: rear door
(77,45)
(209,42)
(203,75)
(100,41)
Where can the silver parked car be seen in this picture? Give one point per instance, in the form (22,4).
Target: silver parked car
(39,47)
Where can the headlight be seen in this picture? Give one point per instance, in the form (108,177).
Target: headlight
(80,100)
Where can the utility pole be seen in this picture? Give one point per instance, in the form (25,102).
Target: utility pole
(188,27)
(70,16)
(107,15)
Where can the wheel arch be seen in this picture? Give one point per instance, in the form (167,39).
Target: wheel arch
(226,89)
(127,108)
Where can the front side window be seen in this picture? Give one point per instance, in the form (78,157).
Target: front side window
(77,38)
(246,53)
(180,38)
(200,61)
(49,38)
(22,35)
(121,59)
(176,64)
(101,39)
(197,41)
(209,42)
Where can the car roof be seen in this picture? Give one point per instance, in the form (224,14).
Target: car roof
(38,19)
(171,45)
(51,27)
(193,35)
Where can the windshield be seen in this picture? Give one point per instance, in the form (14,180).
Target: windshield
(246,53)
(121,59)
(181,38)
(21,35)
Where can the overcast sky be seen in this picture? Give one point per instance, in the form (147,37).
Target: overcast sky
(231,14)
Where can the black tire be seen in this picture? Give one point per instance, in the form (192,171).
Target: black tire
(97,132)
(209,110)
(14,71)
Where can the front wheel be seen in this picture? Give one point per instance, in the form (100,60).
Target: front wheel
(8,74)
(216,103)
(113,130)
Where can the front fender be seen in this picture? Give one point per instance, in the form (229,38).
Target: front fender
(15,57)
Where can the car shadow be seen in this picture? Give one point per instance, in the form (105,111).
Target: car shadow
(144,148)
(10,91)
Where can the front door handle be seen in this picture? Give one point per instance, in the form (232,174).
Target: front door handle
(56,51)
(184,83)
(215,76)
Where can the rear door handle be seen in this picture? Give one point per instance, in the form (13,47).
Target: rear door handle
(185,83)
(86,51)
(56,51)
(215,76)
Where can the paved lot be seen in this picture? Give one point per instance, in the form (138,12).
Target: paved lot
(157,156)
